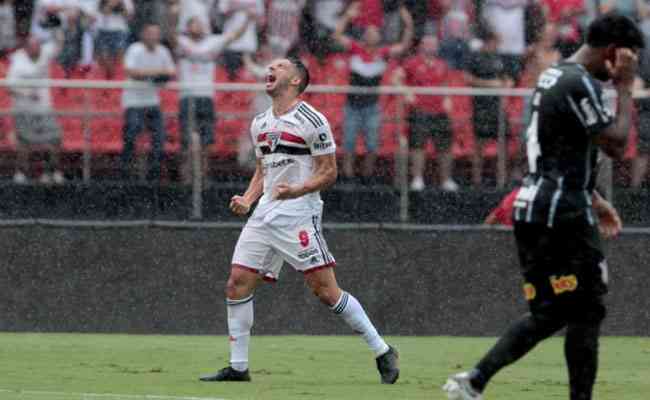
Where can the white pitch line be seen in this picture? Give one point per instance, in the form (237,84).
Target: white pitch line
(84,396)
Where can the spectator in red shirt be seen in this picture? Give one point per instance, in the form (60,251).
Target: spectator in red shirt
(428,115)
(502,214)
(372,15)
(565,15)
(368,62)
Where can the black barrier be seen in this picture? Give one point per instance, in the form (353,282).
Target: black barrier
(156,279)
(343,203)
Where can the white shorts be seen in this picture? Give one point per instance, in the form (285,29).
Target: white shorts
(264,245)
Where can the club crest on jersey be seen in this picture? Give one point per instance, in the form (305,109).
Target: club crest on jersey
(272,139)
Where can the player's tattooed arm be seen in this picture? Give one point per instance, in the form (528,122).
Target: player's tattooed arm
(613,139)
(325,173)
(241,205)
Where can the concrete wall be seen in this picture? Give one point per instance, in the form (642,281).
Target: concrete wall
(169,280)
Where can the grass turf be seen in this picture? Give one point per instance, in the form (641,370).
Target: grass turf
(293,367)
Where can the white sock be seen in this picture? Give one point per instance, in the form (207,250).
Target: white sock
(240,322)
(352,312)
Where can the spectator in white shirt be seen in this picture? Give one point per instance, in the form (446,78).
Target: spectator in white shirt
(235,13)
(283,27)
(507,18)
(145,61)
(48,18)
(195,9)
(7,26)
(197,52)
(36,125)
(112,27)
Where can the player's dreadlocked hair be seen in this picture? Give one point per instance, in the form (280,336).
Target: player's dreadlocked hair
(616,29)
(303,72)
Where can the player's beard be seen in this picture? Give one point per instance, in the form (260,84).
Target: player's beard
(279,88)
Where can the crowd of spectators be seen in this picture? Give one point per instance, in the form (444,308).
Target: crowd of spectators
(487,43)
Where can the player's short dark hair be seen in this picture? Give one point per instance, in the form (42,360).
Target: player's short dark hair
(615,29)
(303,73)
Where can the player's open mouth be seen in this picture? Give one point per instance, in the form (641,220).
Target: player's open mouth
(270,78)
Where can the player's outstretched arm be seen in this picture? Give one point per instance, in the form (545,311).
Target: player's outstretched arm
(241,205)
(339,33)
(325,173)
(613,139)
(239,32)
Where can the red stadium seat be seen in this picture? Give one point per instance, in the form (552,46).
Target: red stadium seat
(73,135)
(106,135)
(233,113)
(7,134)
(105,99)
(334,70)
(169,100)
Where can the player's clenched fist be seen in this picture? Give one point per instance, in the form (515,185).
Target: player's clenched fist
(239,205)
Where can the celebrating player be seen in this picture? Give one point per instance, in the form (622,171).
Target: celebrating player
(295,161)
(555,227)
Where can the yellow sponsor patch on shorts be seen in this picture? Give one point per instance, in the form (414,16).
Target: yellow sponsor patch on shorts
(529,291)
(565,283)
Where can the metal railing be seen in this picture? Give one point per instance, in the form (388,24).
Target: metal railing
(401,159)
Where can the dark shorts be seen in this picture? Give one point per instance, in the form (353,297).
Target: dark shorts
(204,119)
(486,125)
(424,125)
(563,267)
(111,43)
(513,65)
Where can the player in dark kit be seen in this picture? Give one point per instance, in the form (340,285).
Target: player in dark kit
(557,211)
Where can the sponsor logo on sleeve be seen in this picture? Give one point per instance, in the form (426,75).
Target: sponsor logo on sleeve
(324,143)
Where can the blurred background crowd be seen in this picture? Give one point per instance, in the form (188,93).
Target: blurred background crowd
(412,43)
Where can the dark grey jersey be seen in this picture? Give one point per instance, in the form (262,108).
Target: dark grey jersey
(568,112)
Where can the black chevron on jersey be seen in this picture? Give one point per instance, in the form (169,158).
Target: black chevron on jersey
(298,151)
(311,116)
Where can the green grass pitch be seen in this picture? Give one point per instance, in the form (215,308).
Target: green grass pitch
(63,366)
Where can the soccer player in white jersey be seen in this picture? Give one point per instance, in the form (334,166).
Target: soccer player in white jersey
(295,160)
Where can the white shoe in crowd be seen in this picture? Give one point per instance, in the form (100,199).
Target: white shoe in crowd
(20,178)
(58,178)
(449,186)
(417,184)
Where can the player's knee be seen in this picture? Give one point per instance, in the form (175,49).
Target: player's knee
(326,294)
(237,286)
(231,288)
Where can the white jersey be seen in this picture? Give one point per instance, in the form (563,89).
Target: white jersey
(286,145)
